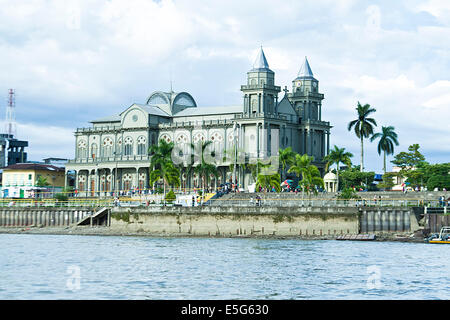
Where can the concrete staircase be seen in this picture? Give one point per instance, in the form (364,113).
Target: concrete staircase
(100,217)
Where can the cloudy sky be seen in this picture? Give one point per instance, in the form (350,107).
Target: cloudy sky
(74,61)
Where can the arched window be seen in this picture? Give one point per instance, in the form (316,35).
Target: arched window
(199,138)
(166,137)
(127,179)
(141,146)
(119,146)
(107,147)
(82,149)
(217,140)
(128,146)
(81,183)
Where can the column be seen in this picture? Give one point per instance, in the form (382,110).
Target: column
(257,140)
(328,142)
(263,103)
(307,140)
(259,102)
(322,144)
(320,111)
(136,184)
(275,109)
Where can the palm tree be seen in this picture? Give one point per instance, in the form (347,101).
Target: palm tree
(363,126)
(161,152)
(162,165)
(205,169)
(269,181)
(286,158)
(388,138)
(337,156)
(41,181)
(309,173)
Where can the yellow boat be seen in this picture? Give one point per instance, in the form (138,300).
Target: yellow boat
(443,237)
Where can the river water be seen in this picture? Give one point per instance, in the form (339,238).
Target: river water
(109,267)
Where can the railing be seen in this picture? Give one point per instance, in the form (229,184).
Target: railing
(110,159)
(326,203)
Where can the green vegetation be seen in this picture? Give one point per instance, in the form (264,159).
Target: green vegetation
(354,178)
(124,216)
(286,157)
(162,166)
(170,197)
(309,173)
(42,182)
(269,181)
(348,194)
(337,156)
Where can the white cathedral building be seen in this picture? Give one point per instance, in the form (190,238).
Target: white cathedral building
(112,154)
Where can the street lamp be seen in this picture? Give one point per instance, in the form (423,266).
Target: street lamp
(115,176)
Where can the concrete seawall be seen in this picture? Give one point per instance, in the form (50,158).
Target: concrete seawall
(15,217)
(213,221)
(222,221)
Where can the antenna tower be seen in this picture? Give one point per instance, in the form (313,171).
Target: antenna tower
(10,123)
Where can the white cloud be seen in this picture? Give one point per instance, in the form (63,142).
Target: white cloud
(72,62)
(46,141)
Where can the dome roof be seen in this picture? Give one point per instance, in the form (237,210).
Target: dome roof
(330,177)
(171,102)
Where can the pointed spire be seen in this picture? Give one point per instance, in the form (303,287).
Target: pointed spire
(261,61)
(305,70)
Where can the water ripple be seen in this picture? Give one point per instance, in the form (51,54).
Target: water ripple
(95,267)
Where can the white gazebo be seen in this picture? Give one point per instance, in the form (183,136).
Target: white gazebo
(330,180)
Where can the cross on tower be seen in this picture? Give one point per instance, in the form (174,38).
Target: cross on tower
(285,90)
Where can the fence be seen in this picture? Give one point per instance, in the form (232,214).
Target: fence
(326,202)
(430,206)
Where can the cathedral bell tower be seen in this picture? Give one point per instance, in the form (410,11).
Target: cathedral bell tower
(260,92)
(305,96)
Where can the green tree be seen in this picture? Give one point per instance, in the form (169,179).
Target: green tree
(161,165)
(388,138)
(286,158)
(41,181)
(388,181)
(337,156)
(269,181)
(412,165)
(348,193)
(309,173)
(433,175)
(170,197)
(256,168)
(363,126)
(354,178)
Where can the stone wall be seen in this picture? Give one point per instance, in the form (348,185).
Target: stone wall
(211,221)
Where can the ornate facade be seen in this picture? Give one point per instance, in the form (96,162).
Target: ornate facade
(112,154)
